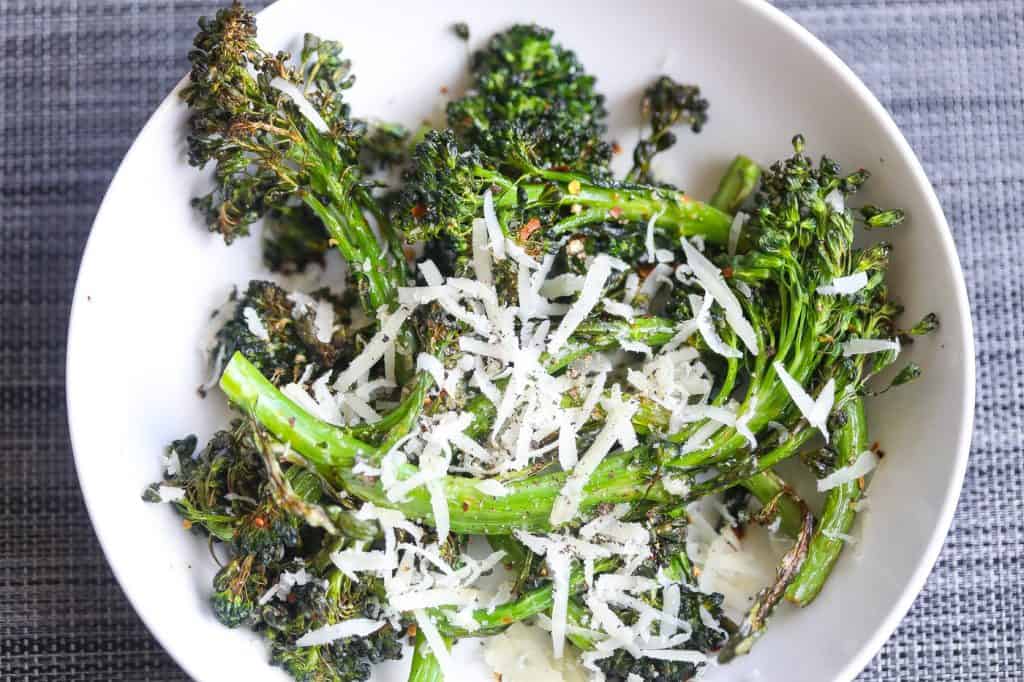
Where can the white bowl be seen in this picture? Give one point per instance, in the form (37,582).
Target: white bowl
(151,274)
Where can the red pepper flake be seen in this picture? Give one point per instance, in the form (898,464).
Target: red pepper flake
(616,148)
(465,506)
(444,89)
(418,211)
(644,269)
(186,524)
(560,168)
(528,229)
(259,522)
(411,630)
(727,271)
(291,422)
(615,211)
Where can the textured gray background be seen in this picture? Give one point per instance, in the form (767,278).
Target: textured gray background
(79,79)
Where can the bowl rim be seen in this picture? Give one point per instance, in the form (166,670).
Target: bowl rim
(940,530)
(838,69)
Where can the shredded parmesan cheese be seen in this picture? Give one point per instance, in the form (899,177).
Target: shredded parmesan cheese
(353,627)
(374,350)
(255,324)
(866,346)
(494,231)
(845,286)
(738,221)
(711,279)
(863,465)
(816,411)
(589,297)
(305,106)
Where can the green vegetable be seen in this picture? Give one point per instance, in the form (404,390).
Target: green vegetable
(279,338)
(700,340)
(268,152)
(753,626)
(425,667)
(737,184)
(349,659)
(532,96)
(444,188)
(851,439)
(667,104)
(621,478)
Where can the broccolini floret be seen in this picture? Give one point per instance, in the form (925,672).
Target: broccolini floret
(237,588)
(278,132)
(530,96)
(666,104)
(321,603)
(278,333)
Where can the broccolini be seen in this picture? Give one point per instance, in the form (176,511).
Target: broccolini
(572,365)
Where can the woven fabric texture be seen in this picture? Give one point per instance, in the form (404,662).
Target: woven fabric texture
(80,77)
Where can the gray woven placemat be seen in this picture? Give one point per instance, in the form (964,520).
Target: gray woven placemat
(79,78)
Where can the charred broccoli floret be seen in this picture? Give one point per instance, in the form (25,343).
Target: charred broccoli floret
(266,532)
(527,87)
(277,332)
(237,588)
(705,638)
(211,482)
(666,104)
(270,151)
(313,606)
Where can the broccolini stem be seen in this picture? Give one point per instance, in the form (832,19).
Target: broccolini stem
(682,215)
(753,625)
(368,261)
(580,618)
(535,601)
(425,666)
(756,466)
(332,452)
(391,237)
(768,487)
(528,505)
(736,185)
(327,447)
(837,517)
(597,335)
(410,404)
